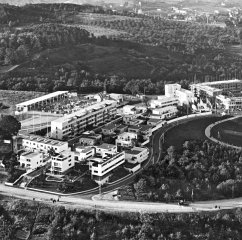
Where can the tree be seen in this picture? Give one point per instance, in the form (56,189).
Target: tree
(10,125)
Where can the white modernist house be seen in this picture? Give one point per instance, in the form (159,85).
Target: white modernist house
(40,101)
(136,155)
(37,143)
(129,110)
(126,139)
(105,148)
(101,167)
(82,153)
(165,112)
(61,162)
(89,116)
(164,101)
(32,160)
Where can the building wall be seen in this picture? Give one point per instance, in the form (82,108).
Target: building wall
(106,167)
(41,146)
(137,158)
(170,89)
(31,162)
(65,127)
(62,166)
(81,156)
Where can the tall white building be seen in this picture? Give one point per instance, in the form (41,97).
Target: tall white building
(87,117)
(170,89)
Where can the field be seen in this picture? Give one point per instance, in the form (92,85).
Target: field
(11,98)
(192,130)
(229,132)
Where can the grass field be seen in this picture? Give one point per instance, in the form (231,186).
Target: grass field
(230,132)
(192,130)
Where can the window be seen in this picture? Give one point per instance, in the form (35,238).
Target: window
(69,164)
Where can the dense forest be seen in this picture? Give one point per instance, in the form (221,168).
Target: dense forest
(200,171)
(45,47)
(41,221)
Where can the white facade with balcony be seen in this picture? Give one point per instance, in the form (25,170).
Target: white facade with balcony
(126,139)
(164,101)
(83,153)
(61,162)
(136,155)
(78,121)
(101,167)
(37,143)
(32,160)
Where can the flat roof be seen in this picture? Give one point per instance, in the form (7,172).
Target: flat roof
(42,98)
(85,111)
(155,120)
(84,149)
(43,140)
(109,126)
(30,154)
(106,146)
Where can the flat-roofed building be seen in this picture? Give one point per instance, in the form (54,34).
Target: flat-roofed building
(40,101)
(136,155)
(83,153)
(61,162)
(109,129)
(164,101)
(213,89)
(165,112)
(184,96)
(102,167)
(78,121)
(154,121)
(37,143)
(105,148)
(90,139)
(229,103)
(170,89)
(126,139)
(32,160)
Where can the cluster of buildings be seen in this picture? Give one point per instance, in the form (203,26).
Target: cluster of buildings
(225,95)
(129,126)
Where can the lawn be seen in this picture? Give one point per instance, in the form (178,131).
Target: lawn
(229,132)
(192,130)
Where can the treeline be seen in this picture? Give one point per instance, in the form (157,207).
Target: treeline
(200,171)
(36,13)
(19,46)
(185,37)
(46,222)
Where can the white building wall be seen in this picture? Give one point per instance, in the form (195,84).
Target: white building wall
(170,89)
(137,158)
(31,161)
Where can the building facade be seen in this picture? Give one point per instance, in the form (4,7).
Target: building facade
(32,160)
(77,122)
(126,139)
(136,155)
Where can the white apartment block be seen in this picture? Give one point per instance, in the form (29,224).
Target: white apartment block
(214,89)
(129,110)
(101,167)
(170,89)
(126,139)
(136,155)
(229,103)
(164,101)
(32,160)
(40,101)
(83,153)
(166,112)
(184,96)
(77,122)
(61,162)
(37,143)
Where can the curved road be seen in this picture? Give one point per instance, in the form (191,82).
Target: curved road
(78,201)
